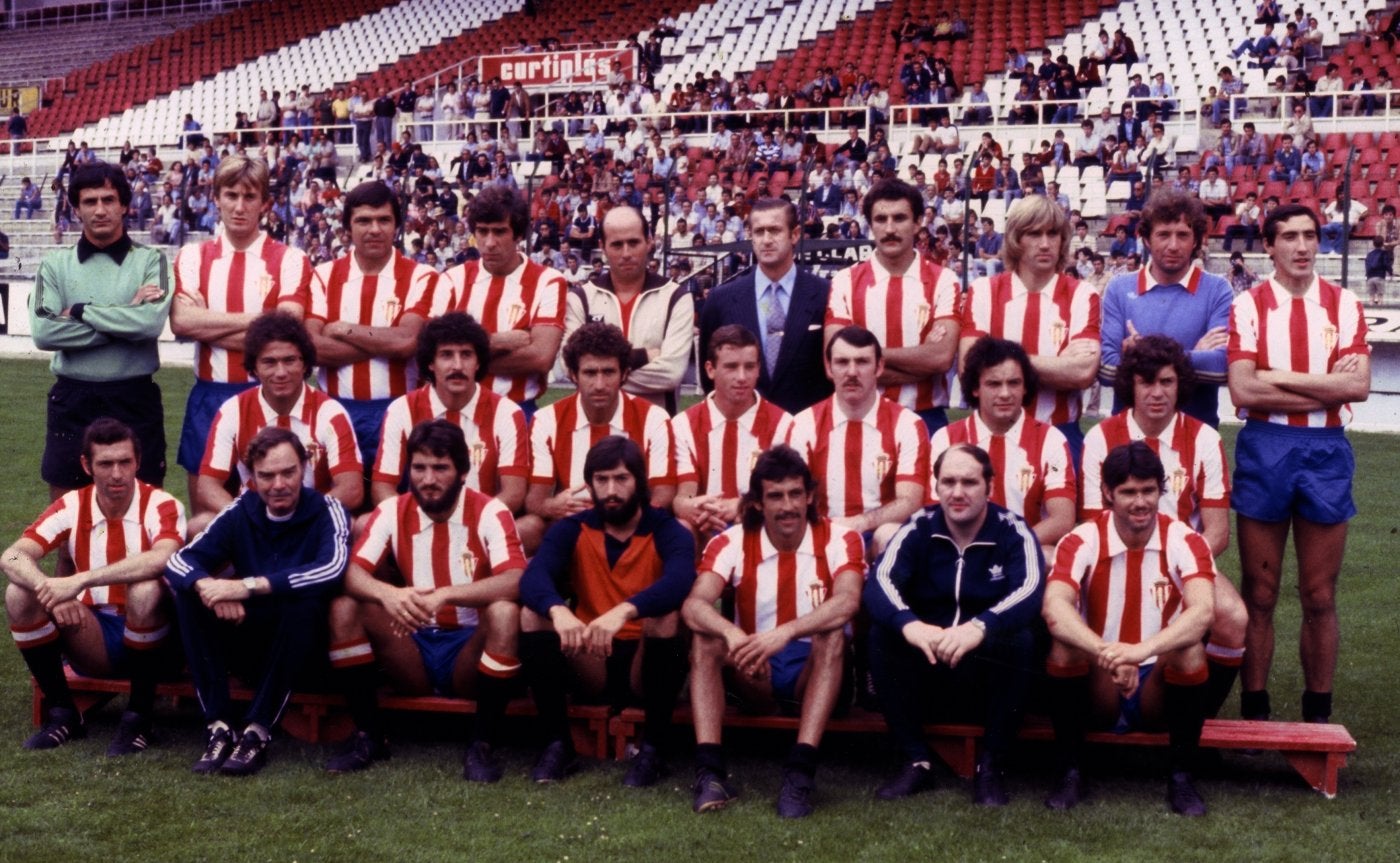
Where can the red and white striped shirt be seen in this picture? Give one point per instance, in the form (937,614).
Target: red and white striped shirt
(561,435)
(857,462)
(1191,452)
(477,541)
(718,454)
(345,293)
(1308,334)
(255,280)
(902,312)
(1130,595)
(318,421)
(95,541)
(1044,323)
(531,296)
(773,587)
(1030,463)
(497,441)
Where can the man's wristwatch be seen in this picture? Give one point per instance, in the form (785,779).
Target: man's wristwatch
(250,583)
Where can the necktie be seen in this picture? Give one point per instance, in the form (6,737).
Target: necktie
(772,325)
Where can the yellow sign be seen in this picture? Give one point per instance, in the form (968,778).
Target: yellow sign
(27,98)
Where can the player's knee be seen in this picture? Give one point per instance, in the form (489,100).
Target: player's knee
(665,626)
(20,603)
(197,523)
(357,527)
(1187,662)
(880,538)
(530,529)
(501,618)
(1318,598)
(144,603)
(532,622)
(1231,617)
(1260,598)
(345,619)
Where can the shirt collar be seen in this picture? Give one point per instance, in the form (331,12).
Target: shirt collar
(116,251)
(1146,281)
(1117,546)
(614,421)
(296,410)
(1281,294)
(788,282)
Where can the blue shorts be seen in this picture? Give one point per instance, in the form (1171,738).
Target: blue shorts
(1130,708)
(1282,471)
(439,649)
(786,666)
(934,419)
(206,397)
(113,625)
(528,407)
(367,416)
(1074,436)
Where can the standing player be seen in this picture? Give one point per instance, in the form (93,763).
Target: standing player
(1128,602)
(869,455)
(1171,296)
(1154,382)
(1031,471)
(100,307)
(656,314)
(109,618)
(221,285)
(796,581)
(279,354)
(1049,313)
(718,441)
(1298,358)
(365,313)
(452,627)
(779,302)
(952,603)
(564,431)
(519,302)
(454,353)
(628,566)
(910,304)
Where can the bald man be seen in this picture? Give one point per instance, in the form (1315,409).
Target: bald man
(656,314)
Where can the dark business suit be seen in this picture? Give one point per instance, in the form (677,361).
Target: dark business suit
(799,378)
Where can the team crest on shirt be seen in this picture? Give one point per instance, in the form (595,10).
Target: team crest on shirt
(1178,480)
(753,458)
(1058,331)
(314,451)
(265,285)
(391,308)
(1329,338)
(514,314)
(478,453)
(468,563)
(925,311)
(816,593)
(1026,478)
(1161,592)
(882,466)
(996,573)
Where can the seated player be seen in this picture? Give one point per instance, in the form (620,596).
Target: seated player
(280,354)
(451,628)
(109,618)
(1128,603)
(718,440)
(951,607)
(1031,471)
(561,433)
(454,353)
(796,582)
(252,591)
(1154,379)
(628,566)
(868,454)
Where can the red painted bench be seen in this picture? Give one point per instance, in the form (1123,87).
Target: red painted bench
(1317,752)
(315,717)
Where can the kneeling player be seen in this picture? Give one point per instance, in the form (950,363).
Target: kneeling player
(796,580)
(452,628)
(1128,602)
(109,618)
(628,567)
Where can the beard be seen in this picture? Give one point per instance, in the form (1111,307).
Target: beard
(443,504)
(617,514)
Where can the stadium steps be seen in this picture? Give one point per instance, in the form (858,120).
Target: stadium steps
(187,55)
(27,56)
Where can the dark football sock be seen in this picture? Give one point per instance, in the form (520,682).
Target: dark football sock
(664,667)
(45,662)
(546,673)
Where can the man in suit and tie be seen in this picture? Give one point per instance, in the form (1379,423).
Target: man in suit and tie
(827,197)
(781,304)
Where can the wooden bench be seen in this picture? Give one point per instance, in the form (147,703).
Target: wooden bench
(316,717)
(1316,751)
